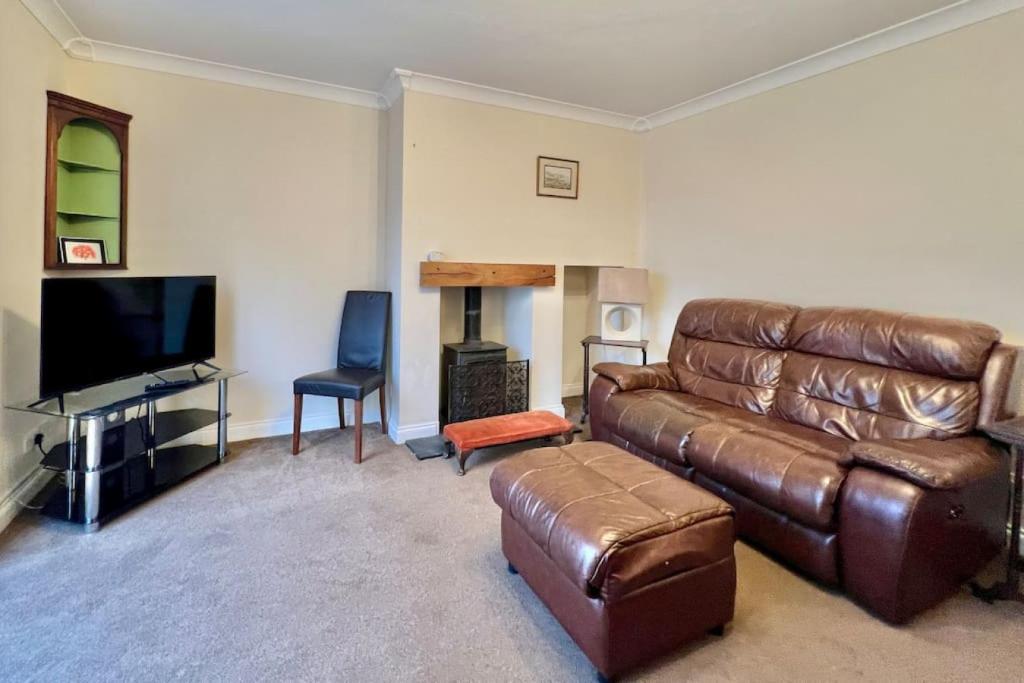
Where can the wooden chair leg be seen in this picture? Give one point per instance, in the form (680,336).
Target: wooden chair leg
(341,413)
(297,424)
(359,430)
(383,412)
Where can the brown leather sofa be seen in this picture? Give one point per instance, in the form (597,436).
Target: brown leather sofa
(845,439)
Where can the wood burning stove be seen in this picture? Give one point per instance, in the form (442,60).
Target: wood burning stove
(477,379)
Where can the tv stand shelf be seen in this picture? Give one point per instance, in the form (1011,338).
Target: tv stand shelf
(133,437)
(116,454)
(121,488)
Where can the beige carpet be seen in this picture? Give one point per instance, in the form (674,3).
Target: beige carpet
(312,568)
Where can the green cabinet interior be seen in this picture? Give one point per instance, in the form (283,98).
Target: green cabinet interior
(85,183)
(89,185)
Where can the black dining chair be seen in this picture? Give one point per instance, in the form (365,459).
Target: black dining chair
(362,344)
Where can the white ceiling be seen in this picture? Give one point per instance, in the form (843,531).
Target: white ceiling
(633,57)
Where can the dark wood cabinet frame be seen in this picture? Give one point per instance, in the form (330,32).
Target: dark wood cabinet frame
(60,110)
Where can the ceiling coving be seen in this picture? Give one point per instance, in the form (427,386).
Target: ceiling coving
(630,65)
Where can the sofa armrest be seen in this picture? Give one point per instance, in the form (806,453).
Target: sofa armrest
(633,377)
(929,463)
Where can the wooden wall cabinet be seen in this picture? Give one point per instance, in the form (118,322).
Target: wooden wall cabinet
(85,225)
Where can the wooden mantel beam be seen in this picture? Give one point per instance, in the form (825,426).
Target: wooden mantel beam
(448,274)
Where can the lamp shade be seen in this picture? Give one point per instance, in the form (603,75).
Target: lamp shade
(622,285)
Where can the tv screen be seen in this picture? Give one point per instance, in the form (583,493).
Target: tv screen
(97,330)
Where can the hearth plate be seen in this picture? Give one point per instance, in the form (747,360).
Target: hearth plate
(427,447)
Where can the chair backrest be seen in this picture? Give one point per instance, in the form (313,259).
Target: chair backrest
(364,330)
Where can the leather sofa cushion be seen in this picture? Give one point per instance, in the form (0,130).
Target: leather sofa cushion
(731,350)
(660,422)
(863,401)
(633,377)
(786,471)
(956,349)
(995,385)
(739,376)
(932,464)
(761,324)
(611,522)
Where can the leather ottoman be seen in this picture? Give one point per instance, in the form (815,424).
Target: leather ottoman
(632,560)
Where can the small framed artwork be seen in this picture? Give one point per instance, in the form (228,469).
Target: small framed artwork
(558,178)
(82,250)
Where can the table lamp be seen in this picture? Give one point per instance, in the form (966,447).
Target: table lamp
(622,293)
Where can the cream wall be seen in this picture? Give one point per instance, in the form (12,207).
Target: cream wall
(393,123)
(469,191)
(575,326)
(30,64)
(897,182)
(277,195)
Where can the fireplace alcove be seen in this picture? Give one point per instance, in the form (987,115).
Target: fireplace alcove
(484,368)
(486,318)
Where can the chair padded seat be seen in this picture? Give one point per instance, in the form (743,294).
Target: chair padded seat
(502,429)
(354,383)
(611,522)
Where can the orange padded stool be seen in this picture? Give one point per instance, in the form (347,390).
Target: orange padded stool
(470,435)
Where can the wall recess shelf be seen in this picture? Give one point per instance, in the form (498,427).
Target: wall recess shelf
(86,181)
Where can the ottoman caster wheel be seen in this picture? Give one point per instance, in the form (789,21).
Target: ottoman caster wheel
(511,569)
(718,630)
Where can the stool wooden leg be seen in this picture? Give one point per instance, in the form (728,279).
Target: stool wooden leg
(568,437)
(359,431)
(341,413)
(297,424)
(463,457)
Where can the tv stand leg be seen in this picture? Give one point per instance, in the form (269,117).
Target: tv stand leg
(69,473)
(93,456)
(222,419)
(151,433)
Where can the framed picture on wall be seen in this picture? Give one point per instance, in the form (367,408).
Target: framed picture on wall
(82,250)
(558,178)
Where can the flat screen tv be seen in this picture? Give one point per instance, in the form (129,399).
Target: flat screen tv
(99,329)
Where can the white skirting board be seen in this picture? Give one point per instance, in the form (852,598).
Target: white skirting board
(557,408)
(261,429)
(401,434)
(22,494)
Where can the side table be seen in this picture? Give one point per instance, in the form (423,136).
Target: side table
(1011,433)
(594,339)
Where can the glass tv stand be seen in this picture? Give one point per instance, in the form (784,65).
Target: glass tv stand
(119,449)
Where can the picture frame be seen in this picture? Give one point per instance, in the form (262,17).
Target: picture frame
(558,178)
(82,251)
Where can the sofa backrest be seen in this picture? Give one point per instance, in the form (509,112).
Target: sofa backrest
(856,373)
(731,351)
(867,374)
